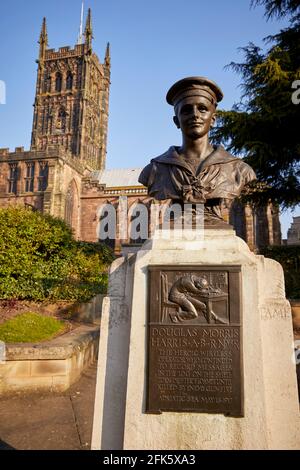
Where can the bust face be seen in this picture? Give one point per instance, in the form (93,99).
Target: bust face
(194,116)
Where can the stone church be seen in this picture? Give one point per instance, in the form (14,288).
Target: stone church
(64,172)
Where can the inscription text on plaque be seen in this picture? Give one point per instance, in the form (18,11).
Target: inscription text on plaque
(194,340)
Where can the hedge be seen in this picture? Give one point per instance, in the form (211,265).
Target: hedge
(40,259)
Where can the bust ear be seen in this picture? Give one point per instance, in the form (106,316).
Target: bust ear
(176,122)
(213,120)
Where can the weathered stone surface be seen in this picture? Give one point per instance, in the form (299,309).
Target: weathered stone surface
(271,411)
(61,347)
(52,365)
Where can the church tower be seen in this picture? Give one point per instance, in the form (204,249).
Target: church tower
(71,102)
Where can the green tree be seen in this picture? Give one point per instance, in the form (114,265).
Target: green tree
(278,8)
(40,259)
(264,126)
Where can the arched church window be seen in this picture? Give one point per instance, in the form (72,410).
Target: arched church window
(13,178)
(61,119)
(47,85)
(69,82)
(43,176)
(29,179)
(58,81)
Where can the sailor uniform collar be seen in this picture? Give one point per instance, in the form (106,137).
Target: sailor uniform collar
(217,156)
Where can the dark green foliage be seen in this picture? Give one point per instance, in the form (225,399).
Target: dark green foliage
(289,258)
(278,8)
(264,126)
(40,259)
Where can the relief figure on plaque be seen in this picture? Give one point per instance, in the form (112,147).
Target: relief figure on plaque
(194,295)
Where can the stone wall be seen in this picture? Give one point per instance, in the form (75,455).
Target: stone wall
(49,366)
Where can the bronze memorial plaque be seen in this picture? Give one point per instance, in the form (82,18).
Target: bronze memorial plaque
(194,340)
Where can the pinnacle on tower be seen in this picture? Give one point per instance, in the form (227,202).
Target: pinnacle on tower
(107,54)
(88,33)
(43,41)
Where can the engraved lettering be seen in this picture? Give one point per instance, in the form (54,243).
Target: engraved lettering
(194,338)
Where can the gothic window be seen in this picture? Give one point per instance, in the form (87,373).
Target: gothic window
(47,84)
(43,176)
(29,180)
(58,81)
(61,119)
(13,178)
(69,82)
(237,219)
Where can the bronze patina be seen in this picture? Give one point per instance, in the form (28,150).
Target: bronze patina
(195,340)
(197,172)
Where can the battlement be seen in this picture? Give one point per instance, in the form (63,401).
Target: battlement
(64,52)
(19,153)
(64,49)
(52,152)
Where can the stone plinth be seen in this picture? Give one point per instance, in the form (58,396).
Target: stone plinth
(270,399)
(51,366)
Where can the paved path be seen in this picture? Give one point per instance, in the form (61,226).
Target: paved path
(48,422)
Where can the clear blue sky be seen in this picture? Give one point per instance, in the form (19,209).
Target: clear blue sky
(153,44)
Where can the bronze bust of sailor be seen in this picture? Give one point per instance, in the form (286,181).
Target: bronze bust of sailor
(196,172)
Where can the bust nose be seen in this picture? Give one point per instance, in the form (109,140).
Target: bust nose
(195,112)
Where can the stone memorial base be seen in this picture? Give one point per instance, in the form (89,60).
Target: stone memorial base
(223,380)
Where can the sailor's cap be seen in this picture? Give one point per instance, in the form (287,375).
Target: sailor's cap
(194,86)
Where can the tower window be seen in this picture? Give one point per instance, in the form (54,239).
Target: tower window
(13,178)
(69,82)
(61,120)
(43,176)
(47,86)
(29,180)
(58,81)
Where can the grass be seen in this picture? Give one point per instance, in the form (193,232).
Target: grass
(29,327)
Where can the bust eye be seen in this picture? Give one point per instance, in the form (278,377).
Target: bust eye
(186,109)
